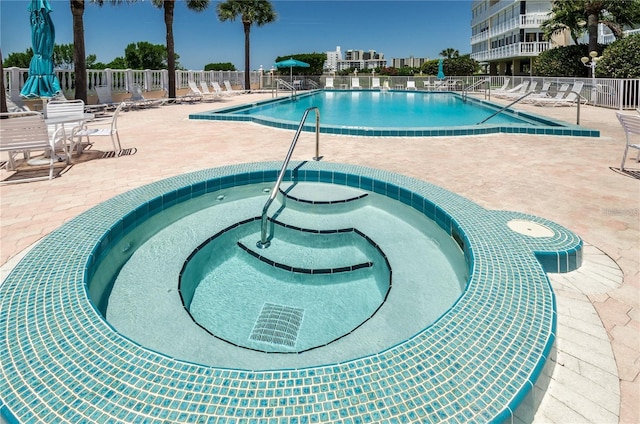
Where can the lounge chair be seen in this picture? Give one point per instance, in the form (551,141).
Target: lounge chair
(111,130)
(230,89)
(15,102)
(518,90)
(504,86)
(375,83)
(196,93)
(218,90)
(411,85)
(570,99)
(208,94)
(328,83)
(544,93)
(137,98)
(631,125)
(355,82)
(105,97)
(526,88)
(26,132)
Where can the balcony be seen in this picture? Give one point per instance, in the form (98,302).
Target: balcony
(530,20)
(512,51)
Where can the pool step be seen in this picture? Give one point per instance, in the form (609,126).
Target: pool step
(300,251)
(327,198)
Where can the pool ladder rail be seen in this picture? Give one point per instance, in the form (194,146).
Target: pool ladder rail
(487,90)
(264,242)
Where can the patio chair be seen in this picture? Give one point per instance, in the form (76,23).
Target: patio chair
(70,129)
(105,97)
(208,95)
(504,86)
(328,83)
(355,82)
(15,102)
(110,130)
(631,125)
(411,85)
(571,97)
(26,132)
(218,90)
(518,90)
(230,89)
(375,83)
(138,100)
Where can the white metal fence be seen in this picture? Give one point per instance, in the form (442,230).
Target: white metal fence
(606,92)
(120,80)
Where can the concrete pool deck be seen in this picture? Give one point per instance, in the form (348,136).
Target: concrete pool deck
(568,180)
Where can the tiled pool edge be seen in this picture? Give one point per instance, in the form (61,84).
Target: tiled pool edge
(556,128)
(114,220)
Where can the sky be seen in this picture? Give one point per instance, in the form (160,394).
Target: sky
(398,29)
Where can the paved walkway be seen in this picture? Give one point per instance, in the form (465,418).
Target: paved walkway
(573,181)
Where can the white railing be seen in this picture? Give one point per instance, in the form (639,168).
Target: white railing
(512,50)
(608,38)
(606,92)
(121,80)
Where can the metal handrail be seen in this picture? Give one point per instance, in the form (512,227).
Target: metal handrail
(465,91)
(287,85)
(263,242)
(505,107)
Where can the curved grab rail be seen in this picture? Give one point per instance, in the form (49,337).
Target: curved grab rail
(264,242)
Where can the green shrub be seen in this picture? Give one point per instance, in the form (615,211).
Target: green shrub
(621,59)
(563,62)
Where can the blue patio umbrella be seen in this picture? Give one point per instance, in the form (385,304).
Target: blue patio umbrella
(291,63)
(42,82)
(441,75)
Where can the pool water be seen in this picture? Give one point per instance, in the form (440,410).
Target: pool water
(392,113)
(377,109)
(339,282)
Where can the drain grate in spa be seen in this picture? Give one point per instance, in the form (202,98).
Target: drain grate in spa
(277,324)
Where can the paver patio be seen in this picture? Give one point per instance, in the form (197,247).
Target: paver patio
(573,181)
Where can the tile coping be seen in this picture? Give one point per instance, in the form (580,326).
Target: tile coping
(485,359)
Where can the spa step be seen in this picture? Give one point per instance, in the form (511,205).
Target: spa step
(311,253)
(312,195)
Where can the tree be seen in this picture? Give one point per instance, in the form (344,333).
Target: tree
(19,60)
(315,61)
(225,66)
(3,93)
(449,53)
(144,55)
(79,56)
(168,7)
(62,58)
(621,59)
(578,16)
(251,12)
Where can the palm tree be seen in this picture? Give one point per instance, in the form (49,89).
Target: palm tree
(449,53)
(168,6)
(251,12)
(578,16)
(79,63)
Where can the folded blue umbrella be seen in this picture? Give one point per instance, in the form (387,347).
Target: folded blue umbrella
(42,82)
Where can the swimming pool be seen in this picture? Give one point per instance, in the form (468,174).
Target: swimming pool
(395,113)
(484,359)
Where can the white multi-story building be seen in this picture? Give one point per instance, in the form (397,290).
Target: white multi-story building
(354,59)
(408,62)
(506,34)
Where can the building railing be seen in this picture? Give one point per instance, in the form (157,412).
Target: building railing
(513,50)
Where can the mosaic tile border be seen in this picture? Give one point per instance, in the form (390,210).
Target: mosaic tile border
(544,125)
(485,359)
